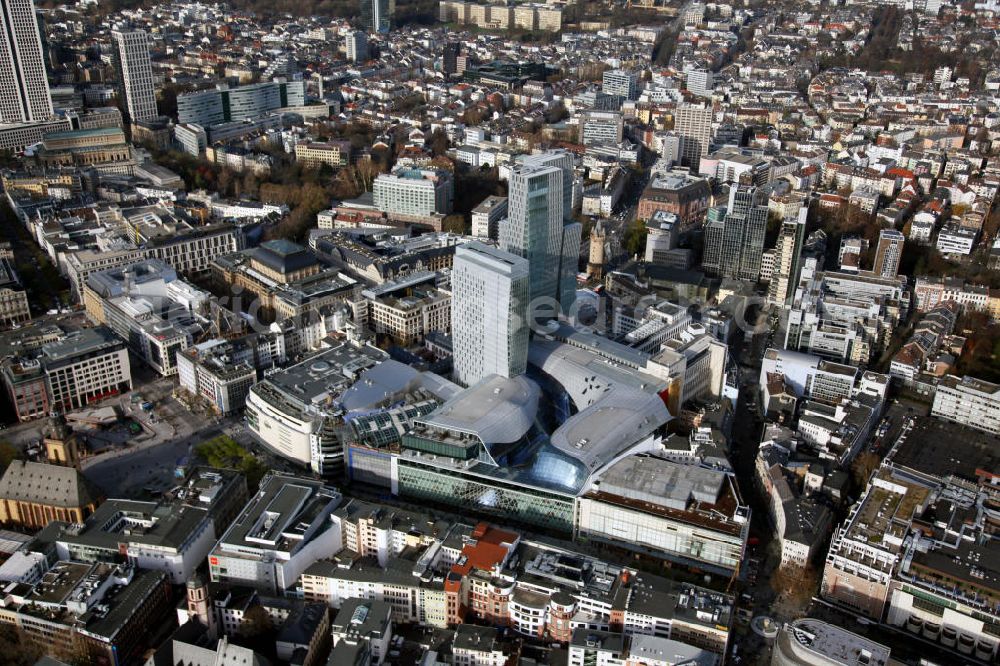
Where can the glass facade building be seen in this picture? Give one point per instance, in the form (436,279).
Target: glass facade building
(486,494)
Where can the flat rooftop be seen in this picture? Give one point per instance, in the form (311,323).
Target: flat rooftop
(327,374)
(836,644)
(942,448)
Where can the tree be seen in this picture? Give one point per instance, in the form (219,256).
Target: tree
(454,223)
(8,454)
(635,239)
(438,142)
(256,622)
(17,651)
(863,467)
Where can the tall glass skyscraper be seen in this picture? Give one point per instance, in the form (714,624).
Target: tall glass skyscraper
(24,88)
(540,199)
(376,15)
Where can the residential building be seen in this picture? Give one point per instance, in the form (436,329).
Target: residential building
(489,313)
(135,74)
(954,239)
(22,66)
(888,253)
(98,612)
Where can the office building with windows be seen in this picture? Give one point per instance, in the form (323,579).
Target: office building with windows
(135,74)
(26,97)
(148,306)
(539,203)
(73,371)
(226,105)
(601,127)
(489,313)
(969,401)
(734,243)
(285,528)
(356,46)
(693,123)
(411,191)
(376,15)
(172,535)
(621,83)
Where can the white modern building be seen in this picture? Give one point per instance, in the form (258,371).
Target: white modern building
(284,528)
(486,217)
(356,46)
(621,83)
(23,81)
(489,313)
(226,105)
(969,401)
(410,191)
(135,74)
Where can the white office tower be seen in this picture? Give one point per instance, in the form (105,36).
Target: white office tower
(24,89)
(489,313)
(356,46)
(540,198)
(693,123)
(135,74)
(787,255)
(622,83)
(700,81)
